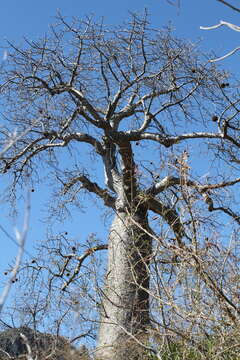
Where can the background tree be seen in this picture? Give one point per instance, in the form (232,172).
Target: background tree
(142,102)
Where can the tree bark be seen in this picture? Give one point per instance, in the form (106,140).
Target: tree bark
(125,305)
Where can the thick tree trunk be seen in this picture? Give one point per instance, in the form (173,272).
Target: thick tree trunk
(125,307)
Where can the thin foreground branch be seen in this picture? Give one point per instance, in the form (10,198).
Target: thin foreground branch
(21,239)
(226,55)
(231,26)
(221,23)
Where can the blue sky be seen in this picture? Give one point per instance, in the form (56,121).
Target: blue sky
(32,19)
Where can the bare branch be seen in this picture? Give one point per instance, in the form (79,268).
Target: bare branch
(21,239)
(91,187)
(135,135)
(229,5)
(170,215)
(226,55)
(53,136)
(80,260)
(221,23)
(168,181)
(231,26)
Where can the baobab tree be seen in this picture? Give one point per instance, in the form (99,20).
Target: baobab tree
(142,101)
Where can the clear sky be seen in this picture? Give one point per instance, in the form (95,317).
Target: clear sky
(31,19)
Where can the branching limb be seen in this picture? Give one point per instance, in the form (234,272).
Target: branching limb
(162,185)
(80,260)
(33,149)
(77,64)
(69,121)
(169,215)
(133,135)
(86,106)
(91,187)
(130,109)
(169,181)
(227,211)
(81,137)
(220,185)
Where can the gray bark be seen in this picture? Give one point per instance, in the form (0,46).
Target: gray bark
(125,305)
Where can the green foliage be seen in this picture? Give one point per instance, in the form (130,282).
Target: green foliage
(208,349)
